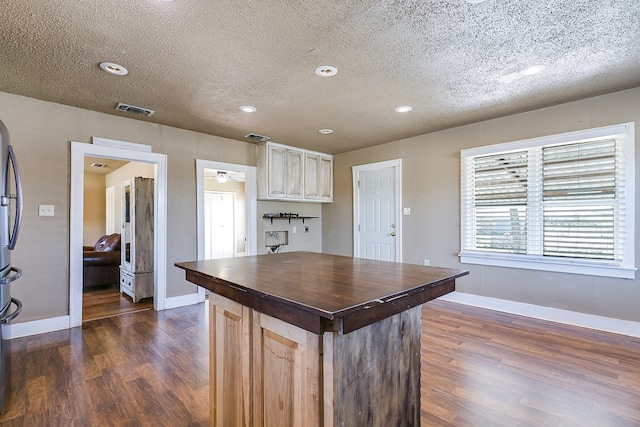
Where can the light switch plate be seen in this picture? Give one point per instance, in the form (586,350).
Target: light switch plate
(45,210)
(406,211)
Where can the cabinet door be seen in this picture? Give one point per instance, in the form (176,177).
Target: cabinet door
(325,178)
(229,362)
(277,167)
(286,374)
(294,179)
(311,175)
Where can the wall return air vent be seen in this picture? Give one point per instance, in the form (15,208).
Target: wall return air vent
(133,109)
(257,137)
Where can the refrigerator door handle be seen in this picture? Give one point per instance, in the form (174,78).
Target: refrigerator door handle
(8,279)
(18,219)
(13,315)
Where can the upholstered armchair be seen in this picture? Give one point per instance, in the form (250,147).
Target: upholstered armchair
(101,263)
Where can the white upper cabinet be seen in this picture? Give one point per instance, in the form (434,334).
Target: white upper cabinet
(318,177)
(294,174)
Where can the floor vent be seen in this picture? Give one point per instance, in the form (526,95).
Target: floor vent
(257,137)
(133,109)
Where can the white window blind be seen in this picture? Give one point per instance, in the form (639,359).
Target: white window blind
(557,203)
(579,193)
(500,199)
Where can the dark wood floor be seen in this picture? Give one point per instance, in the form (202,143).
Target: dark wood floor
(479,368)
(107,302)
(485,368)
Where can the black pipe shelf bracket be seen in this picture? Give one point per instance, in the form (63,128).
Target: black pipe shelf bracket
(272,217)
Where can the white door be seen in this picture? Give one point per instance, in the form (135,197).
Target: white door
(378,228)
(219,224)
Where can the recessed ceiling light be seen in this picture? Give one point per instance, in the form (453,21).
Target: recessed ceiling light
(326,71)
(326,131)
(115,69)
(403,109)
(511,77)
(248,109)
(535,69)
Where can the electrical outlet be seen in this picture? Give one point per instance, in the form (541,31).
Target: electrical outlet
(406,211)
(306,228)
(427,262)
(45,210)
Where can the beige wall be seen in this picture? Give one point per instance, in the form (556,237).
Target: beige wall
(117,177)
(41,133)
(298,241)
(94,214)
(431,188)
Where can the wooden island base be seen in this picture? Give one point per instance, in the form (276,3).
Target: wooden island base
(369,377)
(303,339)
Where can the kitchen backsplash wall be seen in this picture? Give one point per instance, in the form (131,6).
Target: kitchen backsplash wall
(297,239)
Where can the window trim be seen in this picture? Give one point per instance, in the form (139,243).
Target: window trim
(625,269)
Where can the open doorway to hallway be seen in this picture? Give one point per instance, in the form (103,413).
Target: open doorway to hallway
(105,150)
(106,233)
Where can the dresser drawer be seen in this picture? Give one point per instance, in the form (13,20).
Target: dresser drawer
(126,283)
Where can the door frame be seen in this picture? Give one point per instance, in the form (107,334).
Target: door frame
(250,203)
(397,165)
(78,152)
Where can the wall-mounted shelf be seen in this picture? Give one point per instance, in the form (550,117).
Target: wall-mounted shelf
(289,217)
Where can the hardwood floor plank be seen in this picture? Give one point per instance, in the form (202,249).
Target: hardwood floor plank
(108,302)
(479,368)
(510,370)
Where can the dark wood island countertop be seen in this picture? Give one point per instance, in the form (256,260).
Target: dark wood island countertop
(321,292)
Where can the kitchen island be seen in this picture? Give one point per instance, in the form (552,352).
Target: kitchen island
(308,339)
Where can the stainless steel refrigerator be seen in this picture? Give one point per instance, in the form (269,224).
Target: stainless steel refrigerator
(10,217)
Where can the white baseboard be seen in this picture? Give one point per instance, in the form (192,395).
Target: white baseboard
(181,301)
(591,321)
(35,327)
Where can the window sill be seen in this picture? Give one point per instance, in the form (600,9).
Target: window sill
(598,268)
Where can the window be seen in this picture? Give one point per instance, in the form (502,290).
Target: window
(560,203)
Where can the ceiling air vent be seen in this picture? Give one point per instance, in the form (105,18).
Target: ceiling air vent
(257,137)
(133,109)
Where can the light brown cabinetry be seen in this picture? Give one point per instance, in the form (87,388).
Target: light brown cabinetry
(266,372)
(293,174)
(136,269)
(311,339)
(230,358)
(263,371)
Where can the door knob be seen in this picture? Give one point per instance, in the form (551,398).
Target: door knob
(393,234)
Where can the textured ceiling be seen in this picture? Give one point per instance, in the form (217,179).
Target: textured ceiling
(196,61)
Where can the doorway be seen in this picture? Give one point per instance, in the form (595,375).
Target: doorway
(159,161)
(227,178)
(103,224)
(377,219)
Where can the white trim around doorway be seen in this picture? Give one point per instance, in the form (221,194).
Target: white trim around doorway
(78,151)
